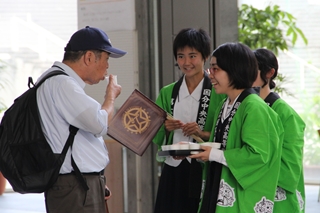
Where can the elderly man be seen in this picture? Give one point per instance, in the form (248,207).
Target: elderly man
(62,102)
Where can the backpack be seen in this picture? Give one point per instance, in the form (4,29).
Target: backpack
(26,159)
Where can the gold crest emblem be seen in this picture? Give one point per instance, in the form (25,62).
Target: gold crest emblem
(136,120)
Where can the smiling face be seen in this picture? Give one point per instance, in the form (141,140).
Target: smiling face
(190,61)
(219,78)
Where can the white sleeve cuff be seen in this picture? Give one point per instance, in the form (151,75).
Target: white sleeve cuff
(217,156)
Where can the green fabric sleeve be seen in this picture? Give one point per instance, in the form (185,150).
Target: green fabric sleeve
(163,101)
(292,149)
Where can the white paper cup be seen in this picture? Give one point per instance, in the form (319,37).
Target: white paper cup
(194,146)
(216,145)
(114,78)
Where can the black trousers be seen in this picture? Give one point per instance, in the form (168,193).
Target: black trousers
(179,188)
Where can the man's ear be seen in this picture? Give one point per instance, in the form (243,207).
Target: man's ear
(88,57)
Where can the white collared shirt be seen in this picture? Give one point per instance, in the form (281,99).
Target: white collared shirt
(62,101)
(227,108)
(185,109)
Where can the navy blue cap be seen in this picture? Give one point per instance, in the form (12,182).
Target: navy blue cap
(90,38)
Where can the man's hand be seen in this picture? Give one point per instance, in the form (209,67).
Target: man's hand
(113,89)
(107,193)
(112,92)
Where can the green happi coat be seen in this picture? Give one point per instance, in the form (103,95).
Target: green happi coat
(164,101)
(291,196)
(253,150)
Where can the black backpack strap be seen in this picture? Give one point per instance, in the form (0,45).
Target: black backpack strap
(73,131)
(50,74)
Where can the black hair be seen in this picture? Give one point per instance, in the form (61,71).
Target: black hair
(266,61)
(76,55)
(197,39)
(239,62)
